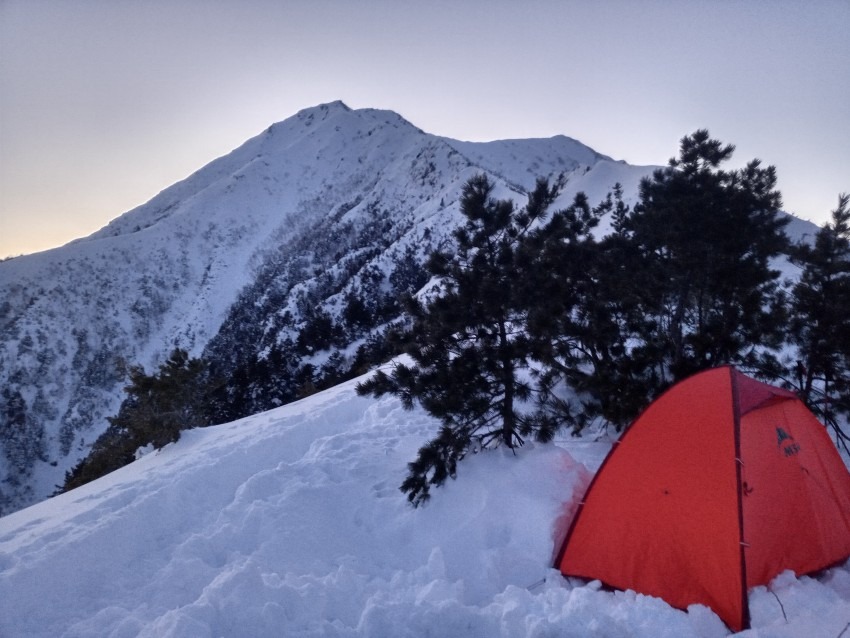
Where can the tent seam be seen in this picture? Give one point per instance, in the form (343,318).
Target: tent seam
(739,462)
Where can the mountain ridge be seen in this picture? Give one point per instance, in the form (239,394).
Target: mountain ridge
(238,260)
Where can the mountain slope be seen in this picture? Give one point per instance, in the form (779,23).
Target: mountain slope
(239,258)
(290,523)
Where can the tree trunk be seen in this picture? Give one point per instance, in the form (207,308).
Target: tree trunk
(508,417)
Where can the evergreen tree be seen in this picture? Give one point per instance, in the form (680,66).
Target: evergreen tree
(587,312)
(469,345)
(318,333)
(683,283)
(820,321)
(21,435)
(356,314)
(707,237)
(256,384)
(160,405)
(157,408)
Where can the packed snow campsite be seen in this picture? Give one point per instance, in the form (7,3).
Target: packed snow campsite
(289,523)
(276,273)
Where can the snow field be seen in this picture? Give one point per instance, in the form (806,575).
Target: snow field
(290,523)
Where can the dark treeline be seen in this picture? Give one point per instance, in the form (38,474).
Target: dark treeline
(543,322)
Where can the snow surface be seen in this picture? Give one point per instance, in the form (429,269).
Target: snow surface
(290,523)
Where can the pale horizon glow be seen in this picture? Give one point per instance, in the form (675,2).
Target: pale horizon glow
(103,105)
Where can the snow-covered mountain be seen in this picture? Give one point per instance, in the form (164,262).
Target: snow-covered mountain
(290,523)
(243,252)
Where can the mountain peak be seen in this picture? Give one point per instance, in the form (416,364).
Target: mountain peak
(318,113)
(328,108)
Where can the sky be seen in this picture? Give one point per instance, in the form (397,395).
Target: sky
(104,103)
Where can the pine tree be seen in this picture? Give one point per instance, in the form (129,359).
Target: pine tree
(160,405)
(318,333)
(587,310)
(157,408)
(469,345)
(22,437)
(820,321)
(707,237)
(682,283)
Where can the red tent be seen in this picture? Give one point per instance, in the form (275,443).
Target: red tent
(720,485)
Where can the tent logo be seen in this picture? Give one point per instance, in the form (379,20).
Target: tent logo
(792,447)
